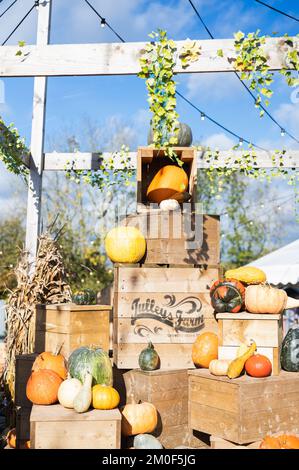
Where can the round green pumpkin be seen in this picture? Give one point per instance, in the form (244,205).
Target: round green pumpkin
(184,136)
(289,356)
(91,360)
(149,358)
(146,441)
(84,297)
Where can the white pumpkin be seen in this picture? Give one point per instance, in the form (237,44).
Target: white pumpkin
(67,392)
(169,205)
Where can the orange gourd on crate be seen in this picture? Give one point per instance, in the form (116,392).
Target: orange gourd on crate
(258,366)
(284,441)
(168,181)
(205,349)
(105,397)
(265,299)
(138,418)
(42,387)
(51,361)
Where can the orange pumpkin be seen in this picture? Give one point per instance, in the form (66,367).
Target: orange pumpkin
(284,441)
(11,438)
(50,361)
(258,366)
(141,418)
(42,387)
(205,349)
(169,180)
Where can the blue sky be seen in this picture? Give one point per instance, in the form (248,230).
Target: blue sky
(109,101)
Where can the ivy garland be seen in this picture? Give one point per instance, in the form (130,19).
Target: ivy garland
(12,148)
(157,68)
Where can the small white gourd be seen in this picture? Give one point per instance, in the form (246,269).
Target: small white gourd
(83,399)
(67,392)
(169,205)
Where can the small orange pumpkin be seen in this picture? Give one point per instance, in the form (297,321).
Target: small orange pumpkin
(141,418)
(104,397)
(51,361)
(284,441)
(11,438)
(169,180)
(42,387)
(205,349)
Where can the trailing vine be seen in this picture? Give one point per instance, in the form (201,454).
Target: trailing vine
(12,148)
(157,68)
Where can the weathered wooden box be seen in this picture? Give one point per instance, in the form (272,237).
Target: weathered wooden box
(168,305)
(245,409)
(265,329)
(55,427)
(71,326)
(150,161)
(168,391)
(24,363)
(178,237)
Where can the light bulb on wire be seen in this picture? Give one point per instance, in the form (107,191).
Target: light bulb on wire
(282,132)
(103,23)
(202,116)
(240,142)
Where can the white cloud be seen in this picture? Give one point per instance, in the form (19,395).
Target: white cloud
(288,114)
(220,141)
(212,86)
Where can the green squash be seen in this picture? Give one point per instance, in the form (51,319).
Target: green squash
(146,441)
(84,297)
(91,360)
(289,356)
(149,358)
(184,137)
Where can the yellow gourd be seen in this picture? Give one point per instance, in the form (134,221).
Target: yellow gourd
(247,274)
(237,365)
(242,349)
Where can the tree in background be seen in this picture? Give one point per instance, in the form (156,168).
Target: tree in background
(12,235)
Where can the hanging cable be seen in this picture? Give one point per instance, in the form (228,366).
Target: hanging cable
(203,115)
(104,22)
(19,24)
(278,11)
(241,81)
(8,8)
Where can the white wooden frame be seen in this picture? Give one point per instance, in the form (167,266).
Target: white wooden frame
(43,60)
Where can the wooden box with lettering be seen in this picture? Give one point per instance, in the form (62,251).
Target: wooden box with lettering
(168,305)
(178,237)
(71,326)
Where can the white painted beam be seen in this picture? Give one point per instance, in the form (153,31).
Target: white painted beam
(120,58)
(90,161)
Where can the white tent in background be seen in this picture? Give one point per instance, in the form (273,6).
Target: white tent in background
(282,265)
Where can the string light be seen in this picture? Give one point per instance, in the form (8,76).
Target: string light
(282,132)
(103,23)
(202,116)
(241,142)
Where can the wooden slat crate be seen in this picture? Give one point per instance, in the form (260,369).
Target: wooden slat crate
(55,427)
(177,237)
(218,443)
(169,306)
(168,391)
(245,409)
(24,363)
(273,354)
(264,329)
(150,161)
(72,326)
(22,426)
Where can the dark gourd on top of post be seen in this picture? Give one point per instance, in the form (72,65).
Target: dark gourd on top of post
(290,350)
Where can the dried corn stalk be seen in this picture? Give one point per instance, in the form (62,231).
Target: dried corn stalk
(47,285)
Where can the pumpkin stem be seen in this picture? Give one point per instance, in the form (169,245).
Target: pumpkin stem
(58,349)
(150,345)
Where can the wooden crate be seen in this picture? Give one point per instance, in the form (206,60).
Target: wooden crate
(55,427)
(245,409)
(168,305)
(168,391)
(24,363)
(218,443)
(178,237)
(150,161)
(22,426)
(71,326)
(273,354)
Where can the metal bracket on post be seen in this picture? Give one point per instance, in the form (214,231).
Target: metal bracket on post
(37,140)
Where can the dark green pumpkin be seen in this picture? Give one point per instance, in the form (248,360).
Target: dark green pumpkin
(289,356)
(184,136)
(149,358)
(93,360)
(227,295)
(84,297)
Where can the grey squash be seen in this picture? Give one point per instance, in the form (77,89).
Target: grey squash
(184,138)
(146,441)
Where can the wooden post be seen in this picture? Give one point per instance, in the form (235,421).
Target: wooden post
(37,140)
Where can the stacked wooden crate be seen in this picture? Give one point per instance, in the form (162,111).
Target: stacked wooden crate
(165,298)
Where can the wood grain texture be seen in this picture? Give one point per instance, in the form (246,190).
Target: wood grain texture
(252,408)
(265,333)
(120,59)
(55,427)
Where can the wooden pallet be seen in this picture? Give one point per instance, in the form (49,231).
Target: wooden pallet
(245,409)
(72,326)
(55,427)
(169,306)
(177,237)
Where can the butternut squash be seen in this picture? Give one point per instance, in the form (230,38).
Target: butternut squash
(237,365)
(82,401)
